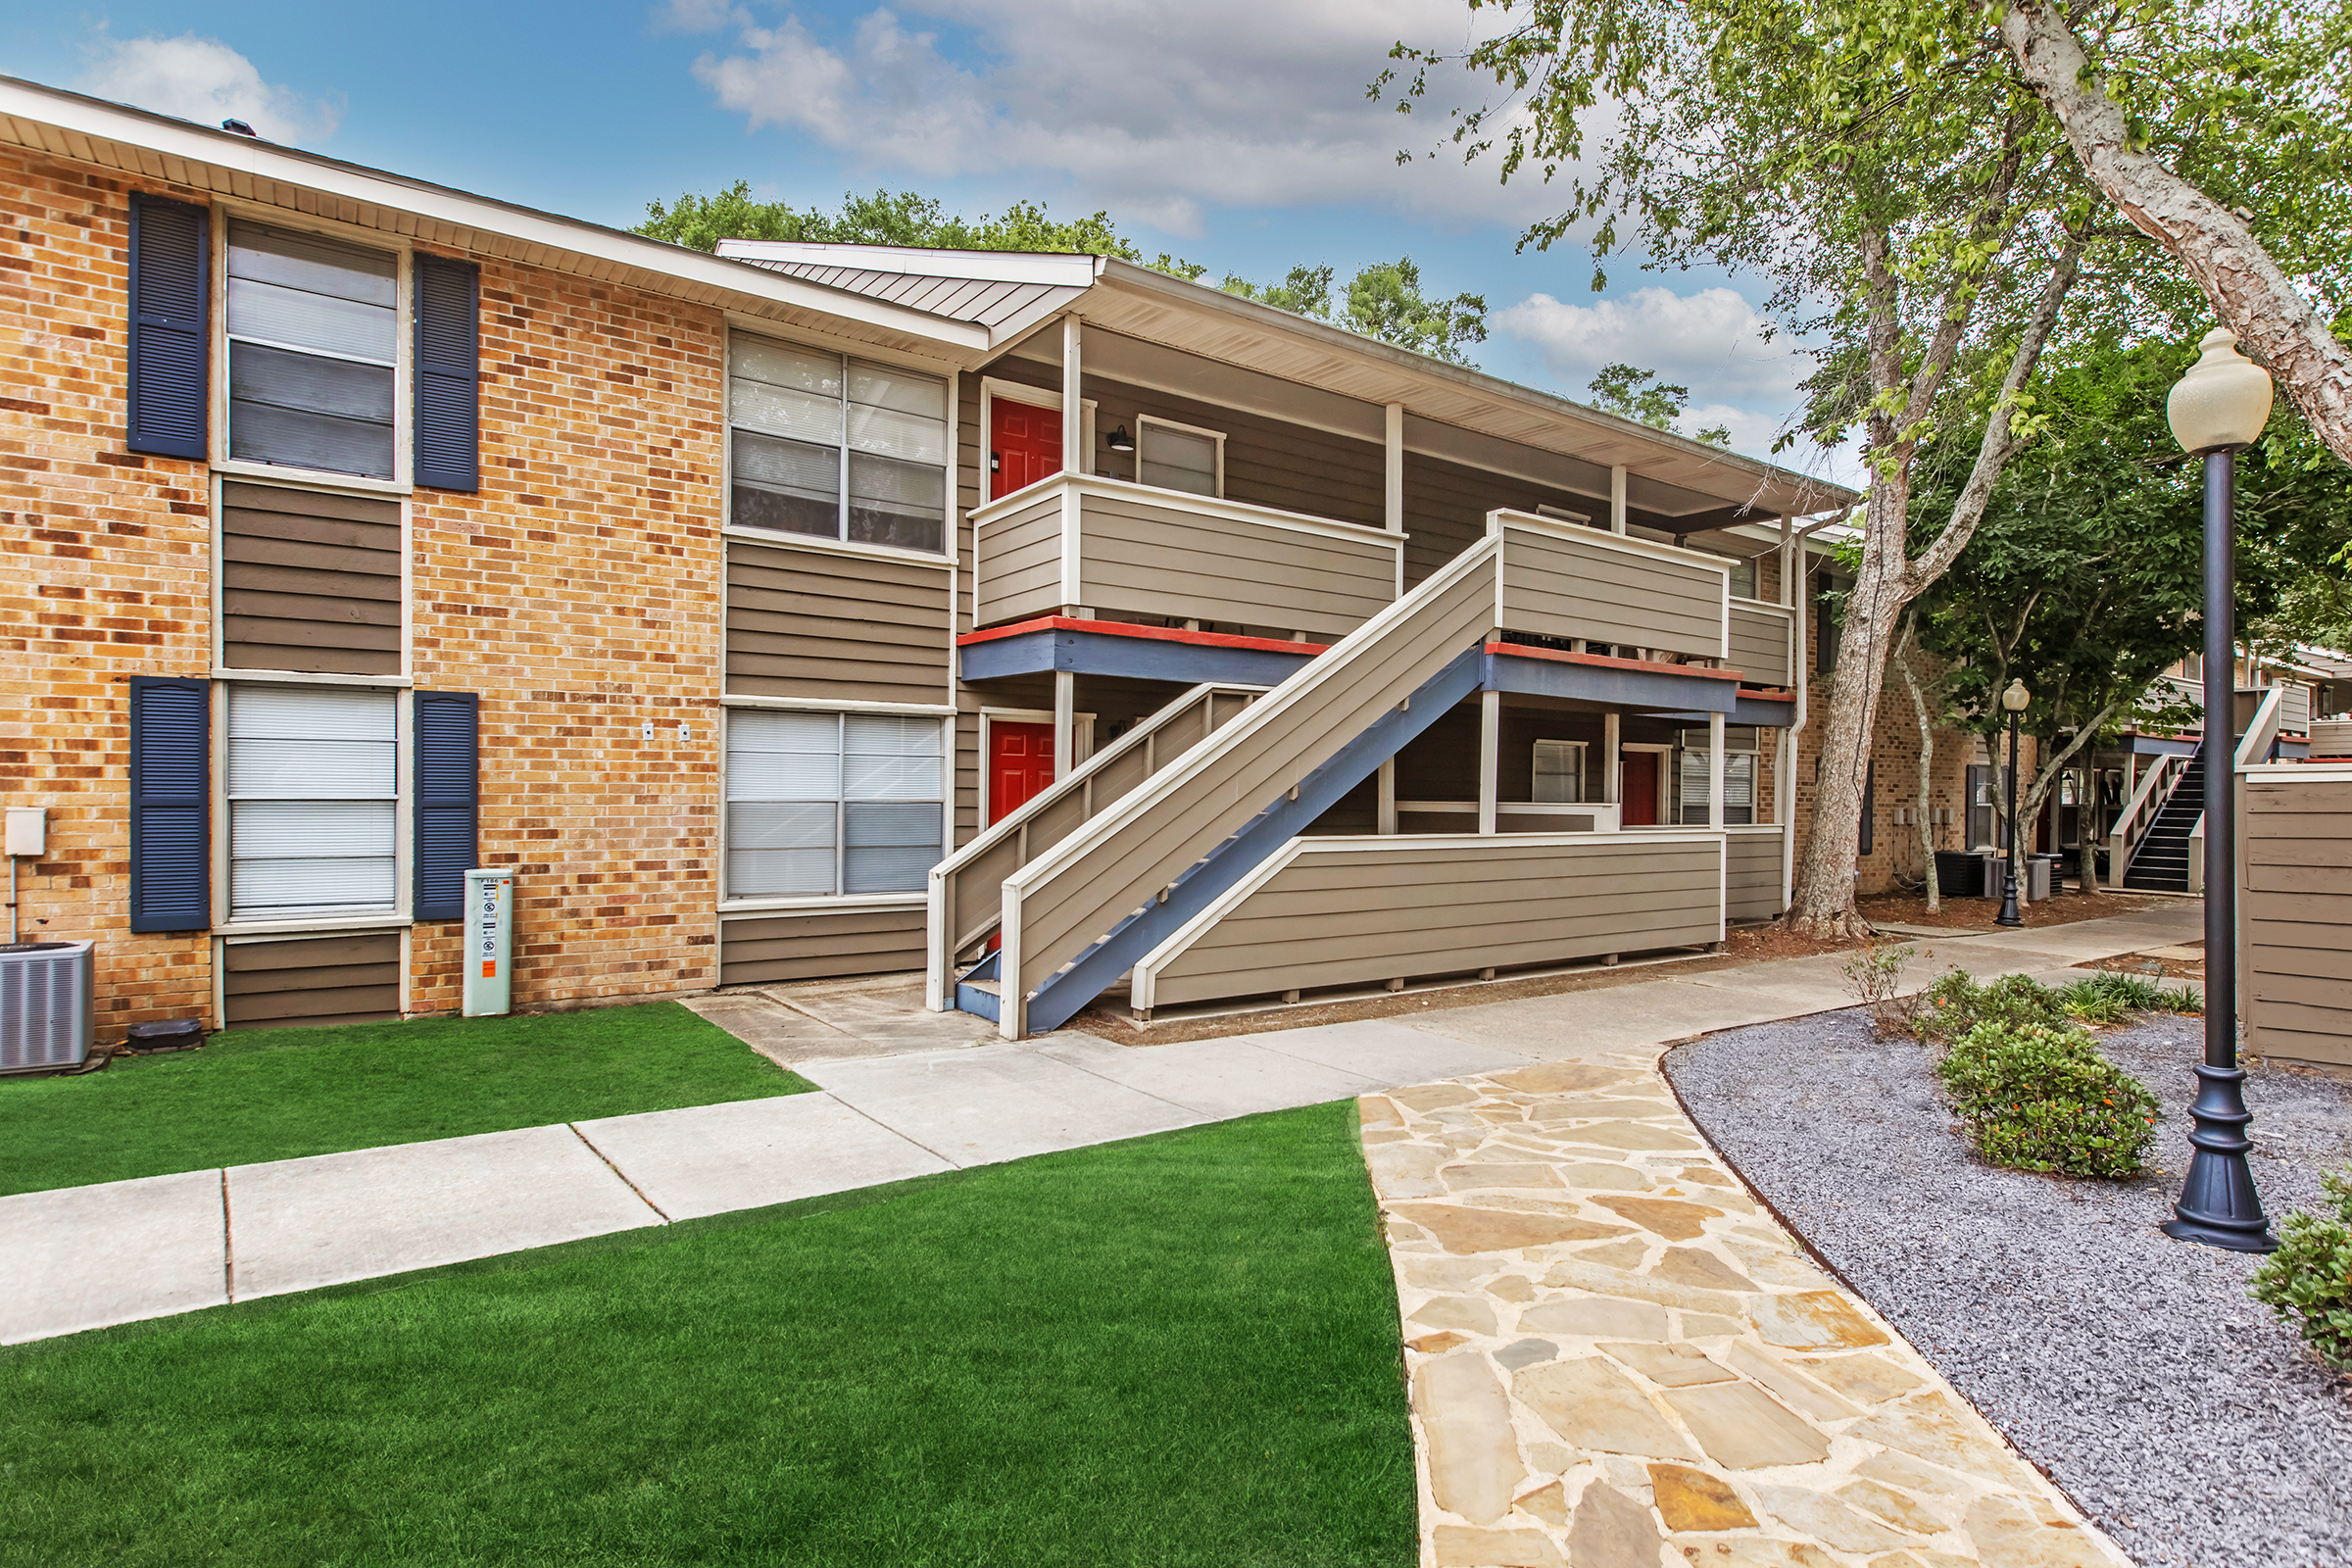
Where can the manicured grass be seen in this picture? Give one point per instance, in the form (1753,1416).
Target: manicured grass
(278,1093)
(1181,1349)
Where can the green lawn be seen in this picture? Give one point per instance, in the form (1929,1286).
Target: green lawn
(1180,1349)
(278,1093)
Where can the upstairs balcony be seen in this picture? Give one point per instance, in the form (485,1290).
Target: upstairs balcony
(1114,550)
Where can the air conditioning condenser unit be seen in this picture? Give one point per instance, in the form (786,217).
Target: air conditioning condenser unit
(45,1013)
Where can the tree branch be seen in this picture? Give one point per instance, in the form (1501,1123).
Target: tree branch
(2245,286)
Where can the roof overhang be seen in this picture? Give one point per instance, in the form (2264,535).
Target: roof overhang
(132,141)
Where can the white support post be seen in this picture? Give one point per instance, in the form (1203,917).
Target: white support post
(1065,723)
(1715,772)
(1490,757)
(1617,498)
(1388,798)
(1394,511)
(1074,456)
(1612,780)
(1784,811)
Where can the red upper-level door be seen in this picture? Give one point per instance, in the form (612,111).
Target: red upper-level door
(1024,445)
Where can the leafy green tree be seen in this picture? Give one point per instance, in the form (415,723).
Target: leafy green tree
(1633,393)
(1925,230)
(1384,300)
(1307,291)
(891,217)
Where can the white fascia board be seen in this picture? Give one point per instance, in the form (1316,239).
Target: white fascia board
(1063,271)
(169,137)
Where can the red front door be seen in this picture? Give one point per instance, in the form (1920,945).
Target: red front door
(1639,799)
(1024,445)
(1020,763)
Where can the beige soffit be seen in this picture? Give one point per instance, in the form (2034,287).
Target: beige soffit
(134,141)
(1453,411)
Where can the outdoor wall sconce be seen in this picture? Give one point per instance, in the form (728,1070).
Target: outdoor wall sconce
(1120,440)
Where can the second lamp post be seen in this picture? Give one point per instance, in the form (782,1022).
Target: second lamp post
(2016,700)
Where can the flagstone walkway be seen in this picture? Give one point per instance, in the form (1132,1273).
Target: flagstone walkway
(1617,1361)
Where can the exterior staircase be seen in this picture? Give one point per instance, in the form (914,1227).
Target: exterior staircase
(2160,864)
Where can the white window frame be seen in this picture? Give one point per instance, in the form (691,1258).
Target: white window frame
(1664,808)
(1584,763)
(730,904)
(1144,423)
(950,519)
(404,336)
(404,829)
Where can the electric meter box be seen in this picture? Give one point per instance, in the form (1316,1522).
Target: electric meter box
(489,943)
(28,830)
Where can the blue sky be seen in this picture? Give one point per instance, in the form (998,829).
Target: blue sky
(1233,133)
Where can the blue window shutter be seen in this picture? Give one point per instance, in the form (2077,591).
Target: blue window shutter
(170,804)
(449,373)
(448,805)
(171,337)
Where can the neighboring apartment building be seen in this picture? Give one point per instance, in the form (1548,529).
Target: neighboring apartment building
(362,531)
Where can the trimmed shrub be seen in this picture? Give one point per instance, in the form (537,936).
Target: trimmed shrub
(2041,1097)
(2308,1281)
(1956,1005)
(1875,975)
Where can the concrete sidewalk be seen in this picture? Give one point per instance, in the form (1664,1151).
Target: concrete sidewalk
(87,1256)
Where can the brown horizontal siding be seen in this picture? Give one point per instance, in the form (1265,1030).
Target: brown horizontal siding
(1138,557)
(1760,646)
(1752,876)
(310,980)
(2299,919)
(762,949)
(1565,587)
(1020,563)
(825,624)
(309,581)
(1357,917)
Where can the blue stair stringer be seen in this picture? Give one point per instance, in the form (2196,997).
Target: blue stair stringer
(971,999)
(1060,998)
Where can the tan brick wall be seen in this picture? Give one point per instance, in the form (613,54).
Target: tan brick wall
(106,562)
(577,594)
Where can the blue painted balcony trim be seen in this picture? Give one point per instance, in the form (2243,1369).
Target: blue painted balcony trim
(1141,653)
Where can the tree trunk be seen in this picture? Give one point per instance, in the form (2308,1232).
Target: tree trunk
(2087,814)
(1926,765)
(2246,288)
(1822,902)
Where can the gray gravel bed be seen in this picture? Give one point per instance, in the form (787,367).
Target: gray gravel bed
(2134,1369)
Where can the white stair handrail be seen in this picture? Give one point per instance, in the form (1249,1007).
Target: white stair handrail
(2139,815)
(2263,732)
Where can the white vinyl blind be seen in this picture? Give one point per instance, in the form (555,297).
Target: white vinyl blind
(1177,459)
(313,802)
(1559,772)
(837,448)
(1739,788)
(821,804)
(313,352)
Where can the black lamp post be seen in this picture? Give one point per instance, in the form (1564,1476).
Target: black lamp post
(2219,407)
(2015,699)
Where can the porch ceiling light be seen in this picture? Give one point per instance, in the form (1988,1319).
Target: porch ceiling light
(2016,698)
(1121,441)
(2224,401)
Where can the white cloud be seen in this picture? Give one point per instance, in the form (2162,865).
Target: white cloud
(1712,341)
(1156,109)
(206,80)
(700,16)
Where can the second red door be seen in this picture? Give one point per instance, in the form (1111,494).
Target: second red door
(1024,445)
(1020,764)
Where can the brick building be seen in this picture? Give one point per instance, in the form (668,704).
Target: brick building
(802,611)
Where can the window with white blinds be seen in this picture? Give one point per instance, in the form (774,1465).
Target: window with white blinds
(1559,772)
(837,448)
(313,802)
(1738,789)
(313,331)
(1175,457)
(823,804)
